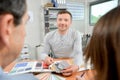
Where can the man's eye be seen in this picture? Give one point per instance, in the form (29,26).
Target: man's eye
(66,20)
(60,19)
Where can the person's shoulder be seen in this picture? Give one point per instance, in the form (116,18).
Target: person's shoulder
(24,77)
(4,76)
(76,32)
(50,34)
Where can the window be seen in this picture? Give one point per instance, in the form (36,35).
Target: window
(99,8)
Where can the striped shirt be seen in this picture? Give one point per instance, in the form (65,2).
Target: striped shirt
(63,46)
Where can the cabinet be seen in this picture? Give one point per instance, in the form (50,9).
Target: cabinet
(50,15)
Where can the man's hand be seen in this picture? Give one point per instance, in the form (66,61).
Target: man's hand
(70,70)
(49,60)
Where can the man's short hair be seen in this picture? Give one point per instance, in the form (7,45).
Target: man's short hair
(15,7)
(64,12)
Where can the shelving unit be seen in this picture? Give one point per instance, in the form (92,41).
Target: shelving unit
(50,15)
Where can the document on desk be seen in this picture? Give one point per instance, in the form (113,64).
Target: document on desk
(49,76)
(37,67)
(25,67)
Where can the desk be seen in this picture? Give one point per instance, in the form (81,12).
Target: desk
(89,74)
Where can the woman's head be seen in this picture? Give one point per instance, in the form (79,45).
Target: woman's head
(104,47)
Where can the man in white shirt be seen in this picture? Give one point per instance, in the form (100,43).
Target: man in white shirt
(63,43)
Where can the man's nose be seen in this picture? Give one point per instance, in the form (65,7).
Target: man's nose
(62,22)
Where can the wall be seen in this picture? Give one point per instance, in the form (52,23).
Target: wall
(78,24)
(35,29)
(83,25)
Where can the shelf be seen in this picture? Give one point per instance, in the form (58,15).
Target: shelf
(50,15)
(55,8)
(53,28)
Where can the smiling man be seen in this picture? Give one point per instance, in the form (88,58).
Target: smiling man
(63,43)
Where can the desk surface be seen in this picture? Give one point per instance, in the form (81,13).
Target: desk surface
(89,74)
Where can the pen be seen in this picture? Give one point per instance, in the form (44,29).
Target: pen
(82,74)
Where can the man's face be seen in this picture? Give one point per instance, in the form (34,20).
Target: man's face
(63,22)
(17,36)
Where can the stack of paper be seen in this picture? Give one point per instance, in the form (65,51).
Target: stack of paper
(49,76)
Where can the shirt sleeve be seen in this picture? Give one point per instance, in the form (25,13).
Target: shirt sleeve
(46,48)
(22,77)
(77,50)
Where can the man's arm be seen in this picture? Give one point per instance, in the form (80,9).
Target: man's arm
(78,58)
(46,48)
